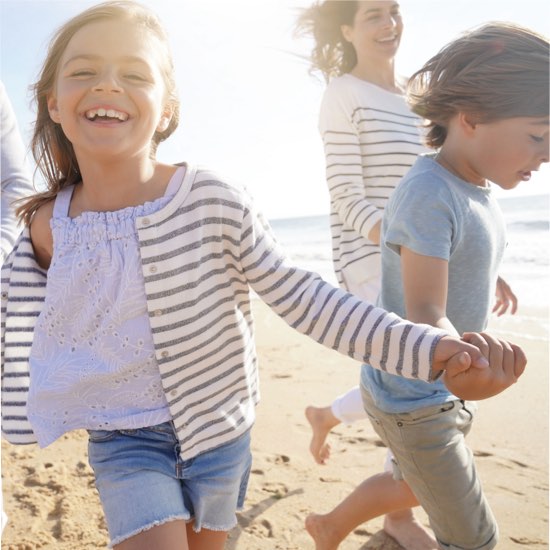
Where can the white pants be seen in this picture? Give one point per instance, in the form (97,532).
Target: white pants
(348,407)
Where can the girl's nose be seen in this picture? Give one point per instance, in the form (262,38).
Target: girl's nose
(107,83)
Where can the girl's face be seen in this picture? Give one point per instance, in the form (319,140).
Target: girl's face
(109,95)
(376,30)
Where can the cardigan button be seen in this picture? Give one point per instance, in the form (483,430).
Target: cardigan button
(145,221)
(173,393)
(157,312)
(4,295)
(164,354)
(153,269)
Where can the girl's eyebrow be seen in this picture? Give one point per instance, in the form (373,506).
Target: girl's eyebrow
(92,57)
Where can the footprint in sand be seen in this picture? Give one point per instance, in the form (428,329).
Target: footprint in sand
(262,529)
(278,459)
(528,542)
(277,490)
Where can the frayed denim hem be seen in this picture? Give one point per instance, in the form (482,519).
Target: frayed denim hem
(156,523)
(212,528)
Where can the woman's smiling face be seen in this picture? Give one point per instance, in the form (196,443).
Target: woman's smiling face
(376,30)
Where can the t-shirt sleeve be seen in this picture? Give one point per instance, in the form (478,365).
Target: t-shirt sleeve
(421,218)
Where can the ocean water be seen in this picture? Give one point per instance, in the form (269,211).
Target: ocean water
(526,263)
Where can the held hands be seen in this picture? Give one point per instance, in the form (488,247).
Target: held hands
(478,366)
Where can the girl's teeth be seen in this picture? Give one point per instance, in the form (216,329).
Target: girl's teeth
(101,112)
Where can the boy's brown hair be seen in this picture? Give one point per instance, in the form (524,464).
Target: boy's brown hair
(497,71)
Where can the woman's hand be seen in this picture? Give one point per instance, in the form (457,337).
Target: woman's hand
(505,298)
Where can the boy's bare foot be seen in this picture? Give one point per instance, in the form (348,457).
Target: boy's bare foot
(322,532)
(405,529)
(321,421)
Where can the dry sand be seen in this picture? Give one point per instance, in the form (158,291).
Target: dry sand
(52,504)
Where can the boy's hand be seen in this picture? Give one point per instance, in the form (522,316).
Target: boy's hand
(506,364)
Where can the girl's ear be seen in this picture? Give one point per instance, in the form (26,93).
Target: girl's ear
(347,32)
(165,118)
(52,109)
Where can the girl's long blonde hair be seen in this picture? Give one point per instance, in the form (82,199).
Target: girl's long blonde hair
(52,151)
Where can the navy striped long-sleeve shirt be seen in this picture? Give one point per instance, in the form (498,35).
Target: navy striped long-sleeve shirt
(370,139)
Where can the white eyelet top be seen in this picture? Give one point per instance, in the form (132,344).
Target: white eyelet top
(92,361)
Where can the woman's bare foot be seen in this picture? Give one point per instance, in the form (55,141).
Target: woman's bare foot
(322,532)
(321,421)
(405,529)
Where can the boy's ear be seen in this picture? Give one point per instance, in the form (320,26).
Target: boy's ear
(52,108)
(468,122)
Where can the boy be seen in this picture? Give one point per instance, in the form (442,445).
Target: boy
(485,96)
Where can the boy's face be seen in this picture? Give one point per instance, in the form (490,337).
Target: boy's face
(506,151)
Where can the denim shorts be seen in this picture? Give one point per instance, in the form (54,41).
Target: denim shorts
(143,482)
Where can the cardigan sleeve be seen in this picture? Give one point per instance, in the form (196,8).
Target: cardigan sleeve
(329,315)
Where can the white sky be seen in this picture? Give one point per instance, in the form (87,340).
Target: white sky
(249,107)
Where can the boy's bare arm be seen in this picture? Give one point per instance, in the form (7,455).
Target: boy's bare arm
(467,375)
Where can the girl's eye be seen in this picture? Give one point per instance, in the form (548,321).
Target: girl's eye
(82,72)
(537,139)
(133,76)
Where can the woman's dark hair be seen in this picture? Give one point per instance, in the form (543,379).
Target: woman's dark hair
(331,55)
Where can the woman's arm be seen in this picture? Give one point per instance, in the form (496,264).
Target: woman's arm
(344,167)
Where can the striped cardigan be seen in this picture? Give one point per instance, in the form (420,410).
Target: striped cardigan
(370,139)
(201,256)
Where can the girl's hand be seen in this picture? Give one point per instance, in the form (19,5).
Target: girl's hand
(505,298)
(506,364)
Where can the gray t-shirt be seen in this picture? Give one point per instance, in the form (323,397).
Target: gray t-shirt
(434,213)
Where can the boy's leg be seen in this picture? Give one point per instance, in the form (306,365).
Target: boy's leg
(380,494)
(432,455)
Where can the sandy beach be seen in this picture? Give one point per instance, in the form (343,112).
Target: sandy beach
(51,501)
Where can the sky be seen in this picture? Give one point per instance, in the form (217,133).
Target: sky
(249,105)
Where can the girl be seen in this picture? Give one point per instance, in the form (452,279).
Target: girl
(129,290)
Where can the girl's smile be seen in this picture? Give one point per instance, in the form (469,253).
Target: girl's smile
(109,95)
(106,114)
